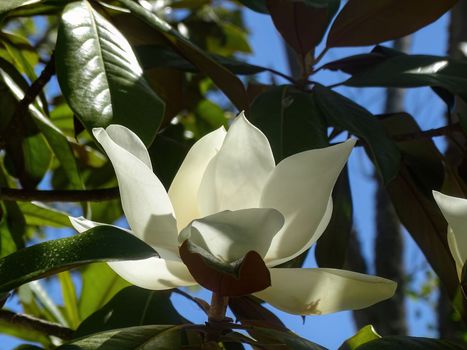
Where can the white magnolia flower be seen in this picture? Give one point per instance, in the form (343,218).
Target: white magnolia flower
(231,198)
(455,211)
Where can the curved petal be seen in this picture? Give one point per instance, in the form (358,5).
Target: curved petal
(455,211)
(230,235)
(128,140)
(145,202)
(236,176)
(183,191)
(300,188)
(82,224)
(154,273)
(455,252)
(322,291)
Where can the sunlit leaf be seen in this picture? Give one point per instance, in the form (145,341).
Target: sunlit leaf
(100,76)
(102,243)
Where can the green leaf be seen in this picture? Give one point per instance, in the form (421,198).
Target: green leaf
(102,243)
(369,22)
(421,171)
(70,301)
(331,248)
(100,76)
(25,333)
(411,343)
(132,306)
(290,120)
(230,85)
(38,214)
(149,337)
(363,336)
(55,138)
(289,339)
(8,5)
(302,23)
(158,56)
(414,71)
(99,284)
(343,113)
(256,5)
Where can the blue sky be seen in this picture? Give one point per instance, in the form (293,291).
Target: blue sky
(331,330)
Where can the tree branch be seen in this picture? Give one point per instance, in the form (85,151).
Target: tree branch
(22,195)
(36,324)
(35,88)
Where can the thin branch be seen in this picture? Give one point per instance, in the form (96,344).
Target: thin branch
(320,56)
(36,324)
(35,89)
(285,76)
(428,134)
(22,195)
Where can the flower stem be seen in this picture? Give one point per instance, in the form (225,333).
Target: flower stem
(218,308)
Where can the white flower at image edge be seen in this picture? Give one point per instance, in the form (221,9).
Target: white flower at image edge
(230,197)
(455,211)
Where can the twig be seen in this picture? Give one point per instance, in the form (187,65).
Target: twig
(98,195)
(320,56)
(36,87)
(36,324)
(285,76)
(427,134)
(199,302)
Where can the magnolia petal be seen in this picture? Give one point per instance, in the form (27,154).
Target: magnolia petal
(183,191)
(236,176)
(154,273)
(300,188)
(128,140)
(455,212)
(230,235)
(144,200)
(82,224)
(322,291)
(455,252)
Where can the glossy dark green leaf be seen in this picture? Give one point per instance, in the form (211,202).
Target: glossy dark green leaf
(256,5)
(368,22)
(302,23)
(149,337)
(290,119)
(102,243)
(157,56)
(414,71)
(411,343)
(343,113)
(331,248)
(364,335)
(100,76)
(288,339)
(132,306)
(230,85)
(8,5)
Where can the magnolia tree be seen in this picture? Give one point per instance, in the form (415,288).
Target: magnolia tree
(230,195)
